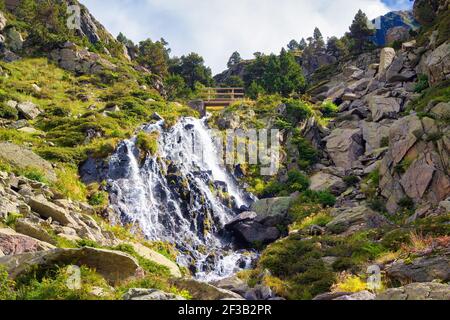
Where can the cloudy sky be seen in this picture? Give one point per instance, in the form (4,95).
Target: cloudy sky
(216,28)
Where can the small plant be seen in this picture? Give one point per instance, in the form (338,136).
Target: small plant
(351,181)
(422,83)
(349,283)
(147,142)
(329,109)
(12,218)
(406,203)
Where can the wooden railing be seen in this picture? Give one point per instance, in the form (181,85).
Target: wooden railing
(218,97)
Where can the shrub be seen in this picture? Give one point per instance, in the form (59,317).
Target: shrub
(349,283)
(329,109)
(99,198)
(325,198)
(422,83)
(6,286)
(297,110)
(12,218)
(148,142)
(351,180)
(8,112)
(297,181)
(406,203)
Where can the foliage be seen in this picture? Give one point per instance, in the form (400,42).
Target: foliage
(155,56)
(234,59)
(192,69)
(329,109)
(6,286)
(349,283)
(8,112)
(422,83)
(147,142)
(360,32)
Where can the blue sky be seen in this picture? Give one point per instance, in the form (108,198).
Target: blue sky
(217,28)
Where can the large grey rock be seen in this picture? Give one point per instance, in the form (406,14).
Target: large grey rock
(252,230)
(233,284)
(422,269)
(382,107)
(417,291)
(272,206)
(345,146)
(359,296)
(418,177)
(322,181)
(48,209)
(374,133)
(204,291)
(113,265)
(354,219)
(28,110)
(137,294)
(23,158)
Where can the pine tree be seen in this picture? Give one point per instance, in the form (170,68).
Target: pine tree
(318,39)
(293,45)
(234,59)
(360,31)
(302,44)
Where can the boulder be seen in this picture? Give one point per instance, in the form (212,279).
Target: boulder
(114,266)
(397,34)
(251,229)
(13,243)
(234,284)
(387,55)
(417,291)
(322,181)
(3,21)
(418,177)
(23,158)
(204,291)
(422,269)
(345,146)
(137,294)
(441,110)
(28,110)
(382,108)
(374,133)
(158,258)
(354,219)
(48,209)
(272,207)
(359,296)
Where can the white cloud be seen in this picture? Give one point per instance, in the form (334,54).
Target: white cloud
(216,28)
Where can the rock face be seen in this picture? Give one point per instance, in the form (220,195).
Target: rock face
(354,219)
(3,21)
(436,65)
(417,291)
(113,265)
(412,166)
(13,243)
(24,158)
(392,25)
(70,58)
(137,294)
(423,269)
(345,146)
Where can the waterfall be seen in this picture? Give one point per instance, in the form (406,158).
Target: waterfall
(174,196)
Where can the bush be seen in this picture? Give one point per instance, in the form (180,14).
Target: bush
(297,110)
(8,112)
(6,286)
(329,109)
(325,198)
(351,181)
(297,181)
(422,83)
(147,142)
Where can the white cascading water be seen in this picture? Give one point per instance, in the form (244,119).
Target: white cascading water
(172,196)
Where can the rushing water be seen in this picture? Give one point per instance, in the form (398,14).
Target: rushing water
(173,196)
